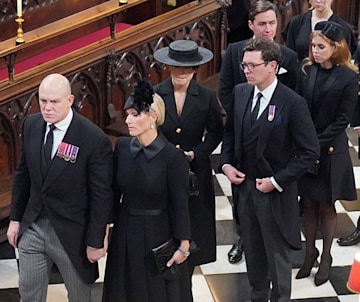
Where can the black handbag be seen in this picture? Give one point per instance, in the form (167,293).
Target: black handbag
(193,184)
(162,254)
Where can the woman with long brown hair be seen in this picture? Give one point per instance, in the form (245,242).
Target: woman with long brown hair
(328,82)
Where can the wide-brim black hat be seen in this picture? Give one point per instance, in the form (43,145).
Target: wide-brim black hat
(183,53)
(330,29)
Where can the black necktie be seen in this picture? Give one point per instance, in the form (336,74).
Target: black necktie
(255,111)
(49,144)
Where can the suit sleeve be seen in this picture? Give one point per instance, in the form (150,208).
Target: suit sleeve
(21,185)
(344,113)
(178,187)
(228,145)
(100,171)
(226,79)
(213,131)
(292,66)
(305,142)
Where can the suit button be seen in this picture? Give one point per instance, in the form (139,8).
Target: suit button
(331,149)
(178,130)
(177,146)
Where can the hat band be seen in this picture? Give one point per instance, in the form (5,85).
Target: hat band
(185,56)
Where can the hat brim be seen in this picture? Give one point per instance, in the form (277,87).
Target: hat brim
(162,55)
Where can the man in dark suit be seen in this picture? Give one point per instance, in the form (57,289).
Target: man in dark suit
(62,196)
(263,22)
(269,143)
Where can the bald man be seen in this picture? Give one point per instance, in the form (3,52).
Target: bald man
(62,196)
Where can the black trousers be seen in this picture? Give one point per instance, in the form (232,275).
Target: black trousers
(267,253)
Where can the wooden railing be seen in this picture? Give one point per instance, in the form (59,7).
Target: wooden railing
(109,10)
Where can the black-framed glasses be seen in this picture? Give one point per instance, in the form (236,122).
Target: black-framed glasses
(250,66)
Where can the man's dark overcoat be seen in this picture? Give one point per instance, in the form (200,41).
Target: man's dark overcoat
(77,196)
(286,147)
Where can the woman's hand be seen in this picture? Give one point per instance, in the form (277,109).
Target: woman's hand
(181,254)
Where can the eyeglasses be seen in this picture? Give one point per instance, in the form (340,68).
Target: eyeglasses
(250,66)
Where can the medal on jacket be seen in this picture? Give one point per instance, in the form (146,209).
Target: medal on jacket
(271,113)
(68,152)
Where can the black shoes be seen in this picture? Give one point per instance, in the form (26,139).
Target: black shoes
(307,266)
(323,273)
(235,253)
(352,239)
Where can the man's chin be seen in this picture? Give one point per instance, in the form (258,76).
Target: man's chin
(48,119)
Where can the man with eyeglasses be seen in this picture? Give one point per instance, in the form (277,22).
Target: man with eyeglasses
(263,22)
(269,142)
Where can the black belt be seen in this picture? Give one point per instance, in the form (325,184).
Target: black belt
(145,212)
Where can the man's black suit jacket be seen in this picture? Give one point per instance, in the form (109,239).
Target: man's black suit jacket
(286,147)
(77,196)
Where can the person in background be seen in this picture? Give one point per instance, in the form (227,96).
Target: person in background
(193,124)
(237,15)
(61,197)
(263,23)
(354,237)
(151,190)
(297,31)
(269,142)
(328,82)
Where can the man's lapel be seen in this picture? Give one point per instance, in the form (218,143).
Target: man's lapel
(244,95)
(268,123)
(73,137)
(37,149)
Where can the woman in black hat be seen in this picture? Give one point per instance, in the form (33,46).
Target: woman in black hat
(151,192)
(328,82)
(193,124)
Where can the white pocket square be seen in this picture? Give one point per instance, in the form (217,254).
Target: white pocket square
(282,70)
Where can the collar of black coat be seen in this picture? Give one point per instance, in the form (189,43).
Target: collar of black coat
(151,150)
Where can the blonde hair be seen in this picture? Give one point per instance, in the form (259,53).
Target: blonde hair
(312,6)
(341,55)
(158,106)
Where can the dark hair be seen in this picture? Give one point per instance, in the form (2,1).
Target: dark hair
(261,6)
(270,50)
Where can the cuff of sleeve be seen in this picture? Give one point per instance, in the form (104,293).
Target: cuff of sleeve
(223,166)
(275,184)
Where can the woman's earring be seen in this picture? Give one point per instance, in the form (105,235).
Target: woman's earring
(151,126)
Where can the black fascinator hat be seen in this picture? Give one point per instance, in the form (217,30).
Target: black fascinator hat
(141,97)
(330,29)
